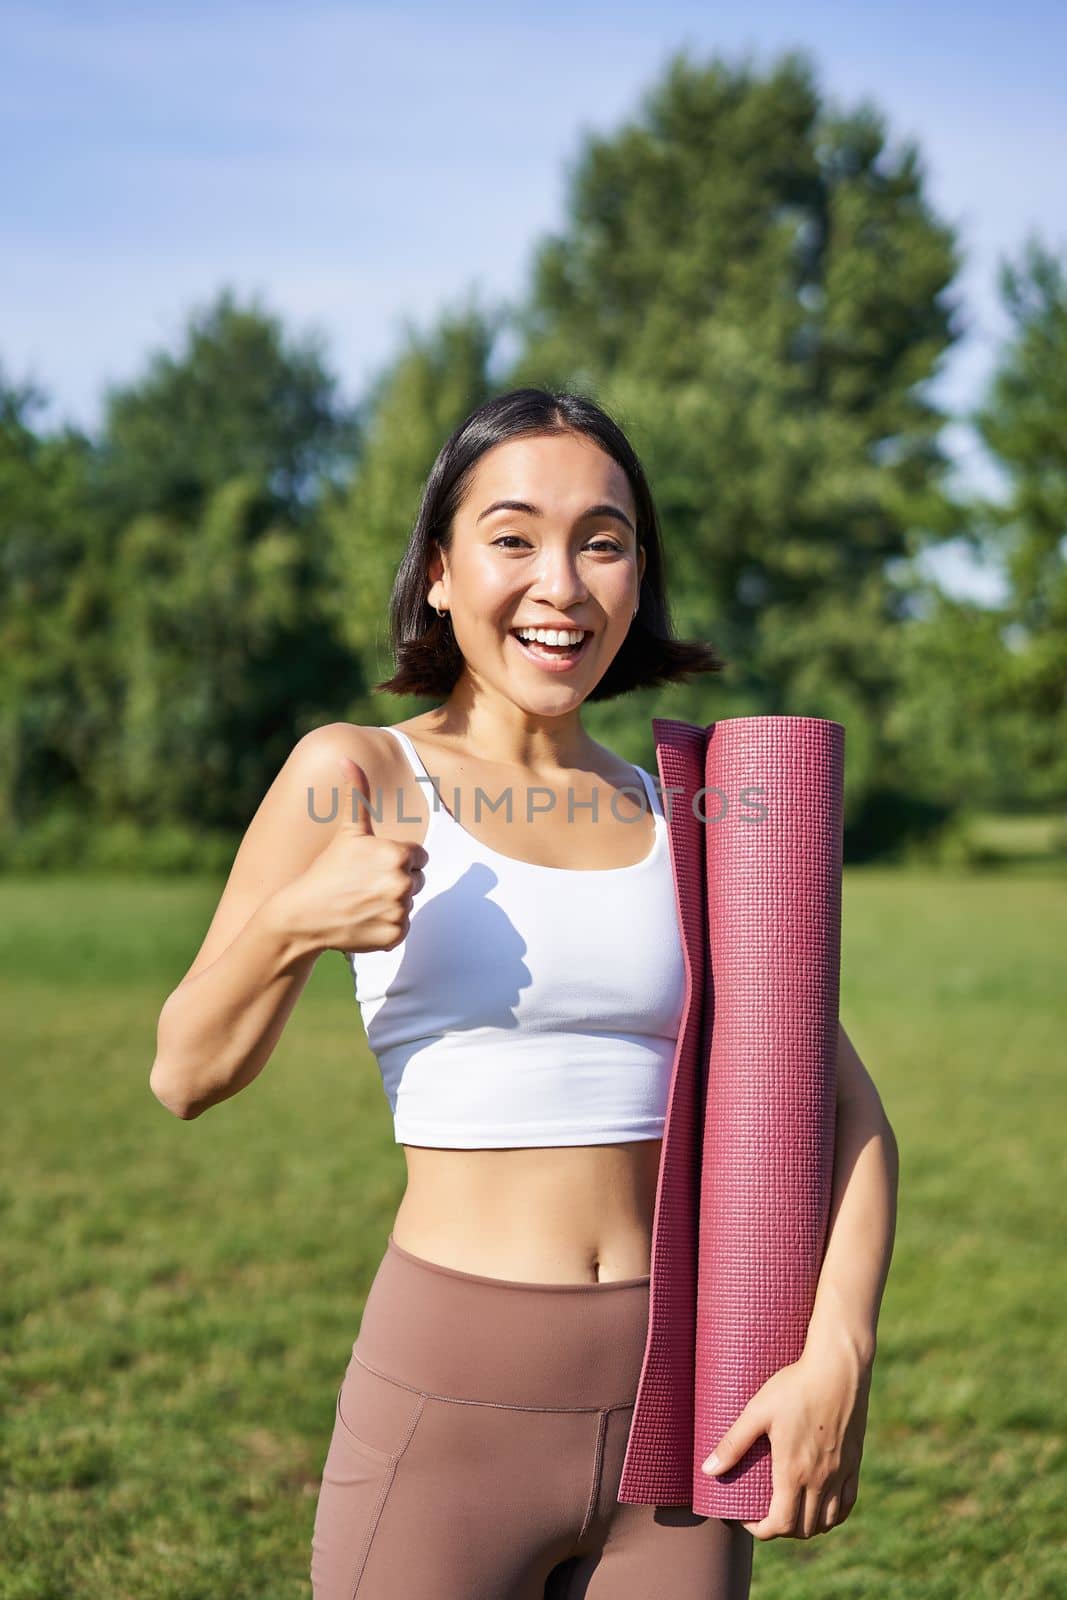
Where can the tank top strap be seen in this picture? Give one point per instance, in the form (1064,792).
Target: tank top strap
(650,790)
(414,759)
(440,816)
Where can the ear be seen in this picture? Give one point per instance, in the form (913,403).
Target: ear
(435,571)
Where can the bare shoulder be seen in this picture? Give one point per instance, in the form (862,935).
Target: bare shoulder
(314,761)
(335,739)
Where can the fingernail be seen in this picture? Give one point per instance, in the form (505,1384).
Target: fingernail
(711,1464)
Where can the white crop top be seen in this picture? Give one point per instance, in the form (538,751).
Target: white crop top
(501,1020)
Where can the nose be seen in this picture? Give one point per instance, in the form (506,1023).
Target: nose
(558,580)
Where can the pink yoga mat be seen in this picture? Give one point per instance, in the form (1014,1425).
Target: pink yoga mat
(745,1176)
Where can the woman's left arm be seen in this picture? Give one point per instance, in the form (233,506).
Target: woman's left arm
(815,1410)
(862,1224)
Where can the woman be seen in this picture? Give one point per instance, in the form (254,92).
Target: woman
(520,975)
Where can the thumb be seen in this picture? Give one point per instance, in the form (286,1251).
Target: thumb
(355,798)
(735,1441)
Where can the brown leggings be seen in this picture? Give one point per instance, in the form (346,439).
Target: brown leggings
(477,1450)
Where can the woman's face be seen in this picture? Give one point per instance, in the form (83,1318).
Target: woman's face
(563,553)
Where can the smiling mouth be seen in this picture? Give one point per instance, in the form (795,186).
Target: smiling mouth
(552,652)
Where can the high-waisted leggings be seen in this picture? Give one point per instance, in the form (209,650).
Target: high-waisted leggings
(477,1451)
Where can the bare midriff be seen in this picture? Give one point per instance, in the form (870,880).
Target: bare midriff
(569,1214)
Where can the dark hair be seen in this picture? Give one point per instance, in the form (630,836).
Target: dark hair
(428,658)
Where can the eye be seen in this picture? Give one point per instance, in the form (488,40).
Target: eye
(602,545)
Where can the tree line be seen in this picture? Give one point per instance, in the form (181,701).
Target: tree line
(757,286)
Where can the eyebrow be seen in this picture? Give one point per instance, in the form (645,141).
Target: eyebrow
(603,510)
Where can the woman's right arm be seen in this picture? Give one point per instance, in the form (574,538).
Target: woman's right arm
(296,887)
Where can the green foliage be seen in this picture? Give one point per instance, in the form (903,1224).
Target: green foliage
(225,656)
(166,627)
(54,702)
(435,382)
(1024,422)
(60,840)
(955,738)
(237,400)
(755,283)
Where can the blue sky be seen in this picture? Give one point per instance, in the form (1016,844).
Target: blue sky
(356,166)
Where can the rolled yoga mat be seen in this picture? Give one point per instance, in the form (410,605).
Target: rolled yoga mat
(745,1177)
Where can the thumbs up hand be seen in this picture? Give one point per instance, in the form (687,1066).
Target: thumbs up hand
(356,894)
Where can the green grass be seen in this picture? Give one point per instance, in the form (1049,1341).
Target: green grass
(181,1298)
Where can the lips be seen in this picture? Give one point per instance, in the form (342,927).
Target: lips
(549,658)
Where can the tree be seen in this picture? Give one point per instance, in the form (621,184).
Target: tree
(959,744)
(1023,421)
(414,405)
(166,613)
(755,285)
(237,399)
(225,658)
(53,701)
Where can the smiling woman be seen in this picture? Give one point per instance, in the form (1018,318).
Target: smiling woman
(521,985)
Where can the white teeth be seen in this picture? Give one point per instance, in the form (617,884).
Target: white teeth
(552,635)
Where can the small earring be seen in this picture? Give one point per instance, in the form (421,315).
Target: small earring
(441,613)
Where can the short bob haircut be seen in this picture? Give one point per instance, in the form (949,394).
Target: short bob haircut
(427,655)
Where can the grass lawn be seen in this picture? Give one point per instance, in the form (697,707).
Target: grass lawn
(180,1299)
